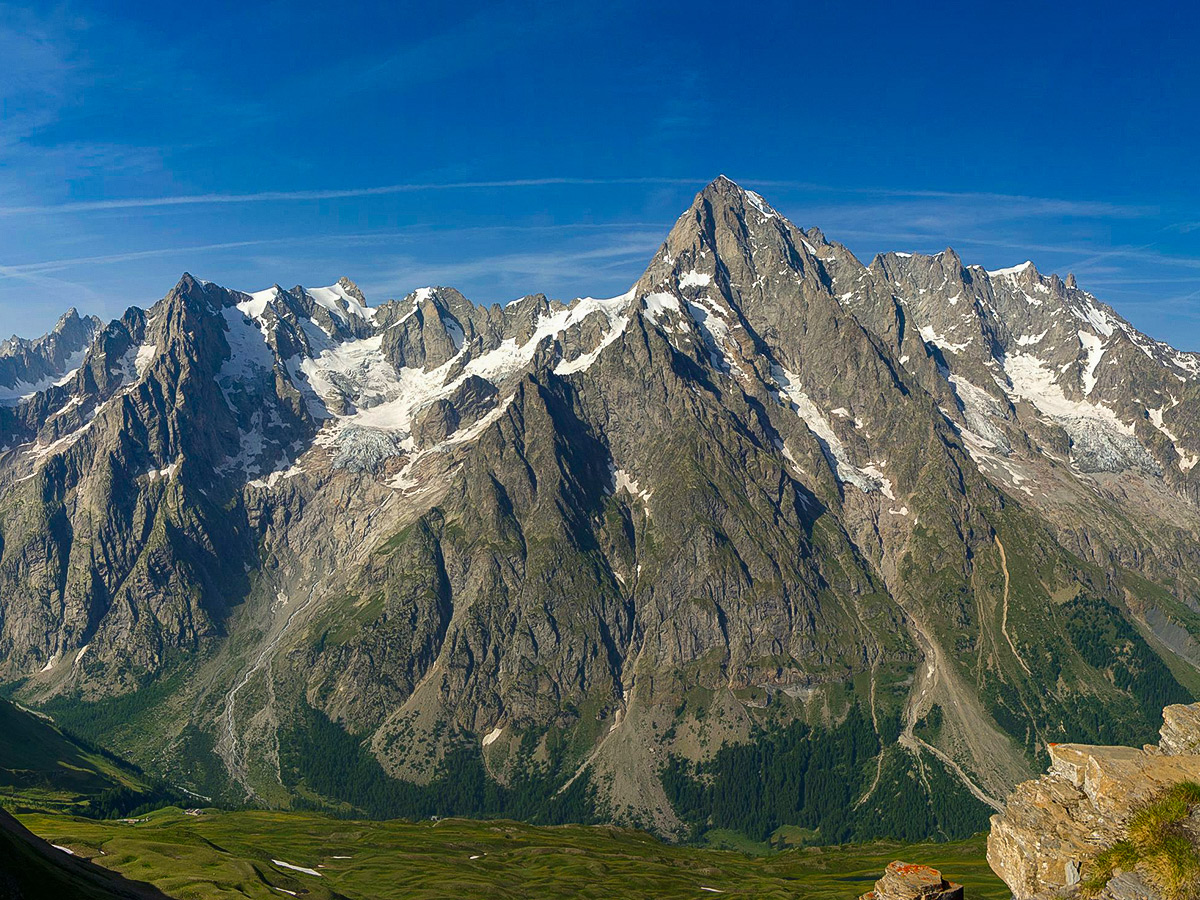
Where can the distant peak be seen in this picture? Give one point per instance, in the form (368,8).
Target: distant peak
(724,191)
(188,282)
(721,186)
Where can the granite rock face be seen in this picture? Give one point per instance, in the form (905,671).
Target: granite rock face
(1053,826)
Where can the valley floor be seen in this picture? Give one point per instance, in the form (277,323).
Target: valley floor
(271,854)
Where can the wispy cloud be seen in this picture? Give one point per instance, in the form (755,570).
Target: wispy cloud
(971,204)
(24,270)
(324,194)
(55,265)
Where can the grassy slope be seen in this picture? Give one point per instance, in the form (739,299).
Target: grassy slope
(228,854)
(31,869)
(42,767)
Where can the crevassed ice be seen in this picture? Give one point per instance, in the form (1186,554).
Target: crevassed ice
(1033,381)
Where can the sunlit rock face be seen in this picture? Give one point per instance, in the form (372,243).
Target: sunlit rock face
(767,485)
(1053,827)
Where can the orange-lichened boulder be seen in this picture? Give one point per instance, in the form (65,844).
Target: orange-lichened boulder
(910,881)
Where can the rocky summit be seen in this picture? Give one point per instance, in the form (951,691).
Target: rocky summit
(773,538)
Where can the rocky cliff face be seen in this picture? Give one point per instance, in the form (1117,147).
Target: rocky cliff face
(593,542)
(1053,828)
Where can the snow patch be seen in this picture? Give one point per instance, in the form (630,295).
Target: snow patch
(335,299)
(695,279)
(454,330)
(1032,381)
(258,302)
(929,336)
(166,474)
(404,481)
(760,204)
(145,356)
(1100,442)
(710,319)
(660,303)
(866,479)
(354,371)
(249,354)
(304,869)
(490,738)
(1094,316)
(585,360)
(1186,461)
(1012,270)
(623,481)
(1095,350)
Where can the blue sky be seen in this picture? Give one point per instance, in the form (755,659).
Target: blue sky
(512,148)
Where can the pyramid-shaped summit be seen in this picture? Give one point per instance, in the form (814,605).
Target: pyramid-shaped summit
(854,527)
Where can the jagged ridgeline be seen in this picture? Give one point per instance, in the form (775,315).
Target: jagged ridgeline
(774,542)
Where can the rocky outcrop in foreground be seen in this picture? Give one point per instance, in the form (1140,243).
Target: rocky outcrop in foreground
(1054,826)
(910,881)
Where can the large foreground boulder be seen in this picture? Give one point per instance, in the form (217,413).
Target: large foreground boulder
(1053,826)
(910,881)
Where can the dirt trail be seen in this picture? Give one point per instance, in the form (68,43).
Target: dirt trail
(1004,613)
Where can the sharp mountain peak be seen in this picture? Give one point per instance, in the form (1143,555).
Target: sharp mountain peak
(767,486)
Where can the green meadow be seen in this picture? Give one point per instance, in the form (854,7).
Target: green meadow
(218,854)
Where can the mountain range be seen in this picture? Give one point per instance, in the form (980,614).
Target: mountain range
(772,539)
